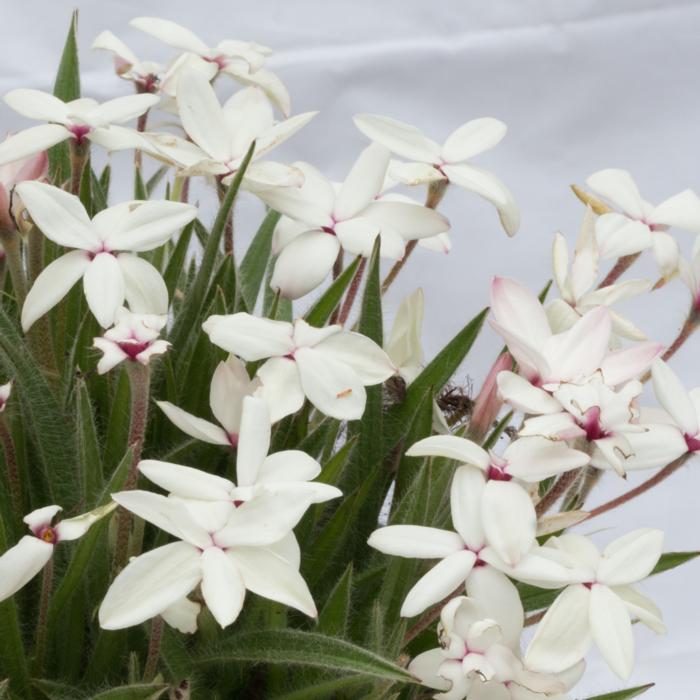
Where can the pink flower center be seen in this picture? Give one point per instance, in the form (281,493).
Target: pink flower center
(693,442)
(220,61)
(79,131)
(134,347)
(47,534)
(591,424)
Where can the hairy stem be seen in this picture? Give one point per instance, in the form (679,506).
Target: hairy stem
(13,479)
(139,376)
(352,293)
(79,151)
(559,488)
(13,255)
(642,488)
(41,623)
(691,323)
(621,266)
(153,656)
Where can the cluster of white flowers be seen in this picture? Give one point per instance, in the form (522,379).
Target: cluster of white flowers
(567,373)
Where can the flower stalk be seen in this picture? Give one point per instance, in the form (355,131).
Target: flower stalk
(11,242)
(42,619)
(14,481)
(153,655)
(79,152)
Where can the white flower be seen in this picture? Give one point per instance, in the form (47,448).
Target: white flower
(546,358)
(328,366)
(220,136)
(31,168)
(105,252)
(145,75)
(577,286)
(474,661)
(133,337)
(529,459)
(233,537)
(229,387)
(242,60)
(690,274)
(598,606)
(485,514)
(350,219)
(21,563)
(79,119)
(404,346)
(682,406)
(431,162)
(641,225)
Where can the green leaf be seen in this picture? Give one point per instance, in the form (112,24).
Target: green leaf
(138,691)
(193,305)
(371,323)
(89,458)
(13,661)
(670,560)
(296,648)
(322,310)
(623,694)
(155,180)
(139,186)
(333,619)
(176,262)
(52,431)
(327,689)
(252,270)
(66,87)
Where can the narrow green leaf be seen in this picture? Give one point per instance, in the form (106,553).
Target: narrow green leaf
(176,262)
(670,560)
(138,691)
(252,270)
(322,310)
(296,648)
(371,323)
(139,186)
(333,619)
(328,689)
(89,458)
(155,180)
(13,661)
(623,694)
(192,307)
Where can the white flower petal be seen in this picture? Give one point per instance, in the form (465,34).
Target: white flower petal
(666,253)
(171,33)
(230,384)
(182,615)
(332,386)
(472,138)
(281,387)
(612,630)
(150,584)
(631,558)
(223,589)
(518,310)
(425,667)
(402,139)
(288,465)
(525,397)
(466,505)
(271,576)
(73,528)
(197,428)
(673,396)
(415,541)
(618,187)
(253,440)
(682,211)
(622,365)
(103,283)
(509,520)
(451,447)
(21,563)
(641,608)
(533,459)
(37,104)
(30,141)
(563,637)
(144,288)
(52,284)
(122,109)
(439,582)
(363,183)
(360,353)
(185,481)
(656,447)
(618,235)
(249,337)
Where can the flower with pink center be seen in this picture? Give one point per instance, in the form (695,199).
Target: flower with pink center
(145,75)
(219,136)
(229,387)
(474,661)
(578,285)
(329,366)
(79,120)
(598,605)
(546,358)
(105,252)
(134,337)
(244,61)
(431,162)
(21,563)
(33,167)
(638,225)
(232,538)
(350,219)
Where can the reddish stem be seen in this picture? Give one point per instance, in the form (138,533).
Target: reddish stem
(352,293)
(621,266)
(560,487)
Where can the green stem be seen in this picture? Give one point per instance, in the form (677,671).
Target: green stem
(139,377)
(13,255)
(14,481)
(41,625)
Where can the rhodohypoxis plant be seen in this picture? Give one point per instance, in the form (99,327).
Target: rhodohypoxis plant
(269,487)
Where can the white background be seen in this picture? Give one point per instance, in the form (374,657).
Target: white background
(583,85)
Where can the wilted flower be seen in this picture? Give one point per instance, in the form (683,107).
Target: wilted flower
(79,119)
(31,168)
(431,162)
(110,274)
(641,225)
(21,563)
(328,366)
(133,337)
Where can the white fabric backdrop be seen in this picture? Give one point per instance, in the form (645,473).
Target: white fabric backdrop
(583,84)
